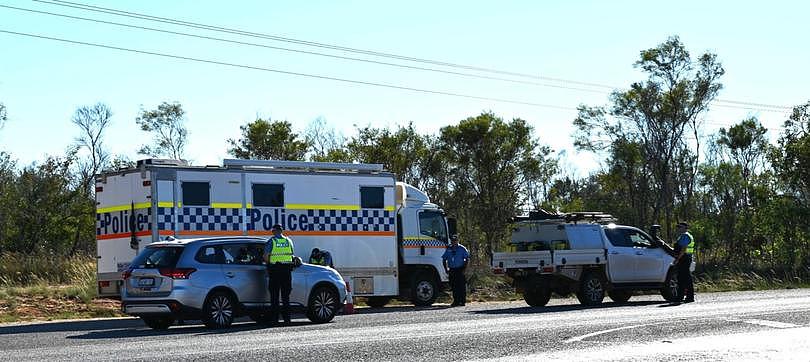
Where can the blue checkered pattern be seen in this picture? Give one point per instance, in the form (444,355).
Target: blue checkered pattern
(351,220)
(164,218)
(209,219)
(427,243)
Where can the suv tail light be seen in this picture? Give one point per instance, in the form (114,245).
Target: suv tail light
(348,288)
(177,273)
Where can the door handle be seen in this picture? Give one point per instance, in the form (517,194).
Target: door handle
(639,253)
(229,274)
(614,252)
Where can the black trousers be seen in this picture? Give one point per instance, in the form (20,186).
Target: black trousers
(280,284)
(686,284)
(459,286)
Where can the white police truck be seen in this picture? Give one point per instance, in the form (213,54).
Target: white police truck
(386,237)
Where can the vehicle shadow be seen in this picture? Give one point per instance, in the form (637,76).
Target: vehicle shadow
(561,308)
(72,326)
(190,327)
(397,309)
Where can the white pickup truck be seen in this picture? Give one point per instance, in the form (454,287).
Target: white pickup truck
(585,254)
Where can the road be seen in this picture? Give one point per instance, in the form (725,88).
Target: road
(719,326)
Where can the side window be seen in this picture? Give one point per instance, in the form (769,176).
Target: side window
(432,224)
(268,195)
(196,193)
(209,254)
(638,239)
(242,254)
(372,197)
(618,237)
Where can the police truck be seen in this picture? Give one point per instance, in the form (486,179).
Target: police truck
(386,237)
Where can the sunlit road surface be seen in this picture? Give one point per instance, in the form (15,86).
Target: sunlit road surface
(770,325)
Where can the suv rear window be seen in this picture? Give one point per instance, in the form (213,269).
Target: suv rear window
(157,257)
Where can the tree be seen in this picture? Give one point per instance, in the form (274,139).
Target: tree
(325,144)
(655,114)
(169,132)
(792,159)
(490,163)
(92,122)
(266,140)
(404,151)
(3,115)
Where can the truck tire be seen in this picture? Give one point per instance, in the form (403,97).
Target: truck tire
(424,289)
(670,291)
(537,295)
(591,289)
(620,296)
(377,302)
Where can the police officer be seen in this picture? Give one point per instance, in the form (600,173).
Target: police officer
(321,257)
(685,249)
(455,260)
(279,251)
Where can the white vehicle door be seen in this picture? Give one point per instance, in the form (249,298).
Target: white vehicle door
(621,256)
(650,263)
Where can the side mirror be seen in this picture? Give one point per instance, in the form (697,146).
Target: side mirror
(297,261)
(451,226)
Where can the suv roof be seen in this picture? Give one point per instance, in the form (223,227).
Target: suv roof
(183,242)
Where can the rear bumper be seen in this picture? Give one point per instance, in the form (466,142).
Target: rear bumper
(158,307)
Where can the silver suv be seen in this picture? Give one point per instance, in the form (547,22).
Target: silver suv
(217,280)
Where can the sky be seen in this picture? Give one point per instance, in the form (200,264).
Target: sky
(762,46)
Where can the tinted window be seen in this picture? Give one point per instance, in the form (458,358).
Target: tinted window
(432,224)
(244,254)
(157,257)
(268,195)
(372,197)
(196,193)
(618,237)
(209,254)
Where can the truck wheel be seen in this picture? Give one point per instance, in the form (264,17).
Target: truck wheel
(158,323)
(377,302)
(537,296)
(591,289)
(424,290)
(619,296)
(670,291)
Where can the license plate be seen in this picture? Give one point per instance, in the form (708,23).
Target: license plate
(146,282)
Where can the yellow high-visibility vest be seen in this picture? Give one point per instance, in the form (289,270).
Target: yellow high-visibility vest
(282,251)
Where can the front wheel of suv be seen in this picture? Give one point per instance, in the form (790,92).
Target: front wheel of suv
(158,323)
(218,310)
(323,304)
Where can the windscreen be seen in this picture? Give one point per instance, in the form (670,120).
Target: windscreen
(157,257)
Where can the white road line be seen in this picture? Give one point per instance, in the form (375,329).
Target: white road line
(767,323)
(580,338)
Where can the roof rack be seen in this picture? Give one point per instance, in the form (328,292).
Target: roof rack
(302,165)
(162,162)
(544,216)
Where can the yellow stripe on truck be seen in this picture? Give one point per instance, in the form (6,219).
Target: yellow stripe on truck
(138,205)
(226,205)
(165,204)
(320,207)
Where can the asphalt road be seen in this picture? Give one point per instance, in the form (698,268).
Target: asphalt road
(719,326)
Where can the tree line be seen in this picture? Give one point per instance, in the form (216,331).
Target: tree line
(747,199)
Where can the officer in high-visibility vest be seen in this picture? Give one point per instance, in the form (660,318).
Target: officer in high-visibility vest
(685,249)
(279,252)
(321,257)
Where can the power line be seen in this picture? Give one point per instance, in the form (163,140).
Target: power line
(306,42)
(316,76)
(298,50)
(116,12)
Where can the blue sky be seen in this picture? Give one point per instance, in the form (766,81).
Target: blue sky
(761,45)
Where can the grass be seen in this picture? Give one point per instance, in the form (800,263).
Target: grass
(724,279)
(45,287)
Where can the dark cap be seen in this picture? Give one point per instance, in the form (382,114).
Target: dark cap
(683,224)
(277,227)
